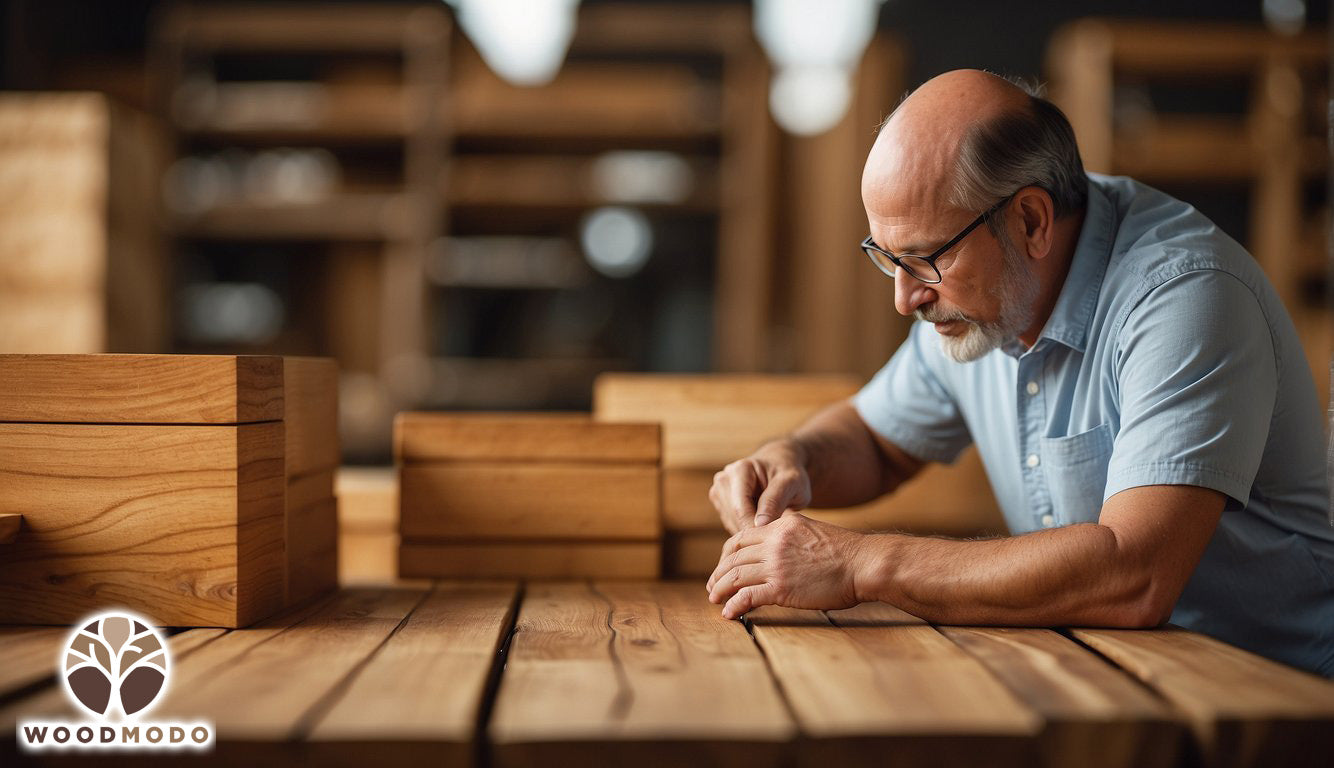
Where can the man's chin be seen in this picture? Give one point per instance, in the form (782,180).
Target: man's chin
(967,342)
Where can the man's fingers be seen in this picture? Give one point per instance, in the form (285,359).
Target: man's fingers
(742,495)
(736,579)
(748,599)
(730,560)
(776,498)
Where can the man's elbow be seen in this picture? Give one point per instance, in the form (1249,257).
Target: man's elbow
(1147,607)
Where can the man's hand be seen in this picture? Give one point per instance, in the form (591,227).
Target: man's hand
(760,487)
(795,562)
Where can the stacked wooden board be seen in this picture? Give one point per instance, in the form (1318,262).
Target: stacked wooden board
(527,496)
(80,239)
(161,483)
(709,421)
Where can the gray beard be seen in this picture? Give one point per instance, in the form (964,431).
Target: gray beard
(1017,291)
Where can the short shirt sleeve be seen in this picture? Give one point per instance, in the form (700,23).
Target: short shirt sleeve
(1197,378)
(907,404)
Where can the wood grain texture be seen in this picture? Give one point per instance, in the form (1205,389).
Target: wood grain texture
(312,550)
(141,389)
(529,501)
(310,410)
(634,673)
(522,437)
(183,524)
(862,692)
(946,500)
(447,647)
(1095,714)
(1243,710)
(267,686)
(9,527)
(709,420)
(530,560)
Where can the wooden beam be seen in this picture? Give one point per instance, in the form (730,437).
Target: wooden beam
(1242,709)
(310,397)
(530,560)
(634,673)
(141,389)
(529,501)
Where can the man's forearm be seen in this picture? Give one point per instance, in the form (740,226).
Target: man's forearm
(840,457)
(1074,575)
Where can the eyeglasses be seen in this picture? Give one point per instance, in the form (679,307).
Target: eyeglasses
(922,267)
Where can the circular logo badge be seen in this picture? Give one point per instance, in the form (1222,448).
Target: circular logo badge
(115,662)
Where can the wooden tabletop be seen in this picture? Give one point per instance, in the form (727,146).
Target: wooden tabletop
(649,673)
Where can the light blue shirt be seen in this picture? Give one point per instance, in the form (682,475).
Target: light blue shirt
(1168,359)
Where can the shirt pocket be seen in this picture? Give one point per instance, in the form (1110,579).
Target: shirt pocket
(1076,473)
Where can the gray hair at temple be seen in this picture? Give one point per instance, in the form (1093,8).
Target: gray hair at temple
(1035,147)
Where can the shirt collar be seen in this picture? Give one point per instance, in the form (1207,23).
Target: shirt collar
(1070,318)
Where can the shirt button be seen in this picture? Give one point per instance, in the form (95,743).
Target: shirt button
(1032,460)
(1032,387)
(1048,521)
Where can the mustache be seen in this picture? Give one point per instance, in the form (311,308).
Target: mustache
(934,314)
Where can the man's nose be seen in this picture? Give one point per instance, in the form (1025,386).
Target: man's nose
(910,293)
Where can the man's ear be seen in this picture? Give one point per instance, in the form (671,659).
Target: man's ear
(1037,214)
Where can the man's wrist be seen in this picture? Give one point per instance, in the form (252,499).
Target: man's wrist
(874,566)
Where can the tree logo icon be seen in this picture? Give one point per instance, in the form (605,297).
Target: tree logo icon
(115,662)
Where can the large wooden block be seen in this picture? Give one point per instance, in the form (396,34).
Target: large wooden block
(181,523)
(529,501)
(530,560)
(189,445)
(515,495)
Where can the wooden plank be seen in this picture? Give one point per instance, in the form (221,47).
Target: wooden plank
(634,673)
(141,389)
(447,648)
(1095,714)
(310,396)
(710,420)
(367,499)
(312,550)
(286,27)
(522,437)
(530,560)
(367,558)
(309,489)
(953,500)
(282,676)
(874,688)
(1242,709)
(691,554)
(189,518)
(529,501)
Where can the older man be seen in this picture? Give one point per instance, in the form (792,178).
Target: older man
(1134,386)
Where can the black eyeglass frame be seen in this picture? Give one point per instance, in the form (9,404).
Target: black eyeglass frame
(871,249)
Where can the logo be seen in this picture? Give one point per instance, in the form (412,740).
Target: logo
(114,666)
(115,662)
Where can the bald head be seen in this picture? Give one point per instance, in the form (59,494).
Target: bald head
(916,154)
